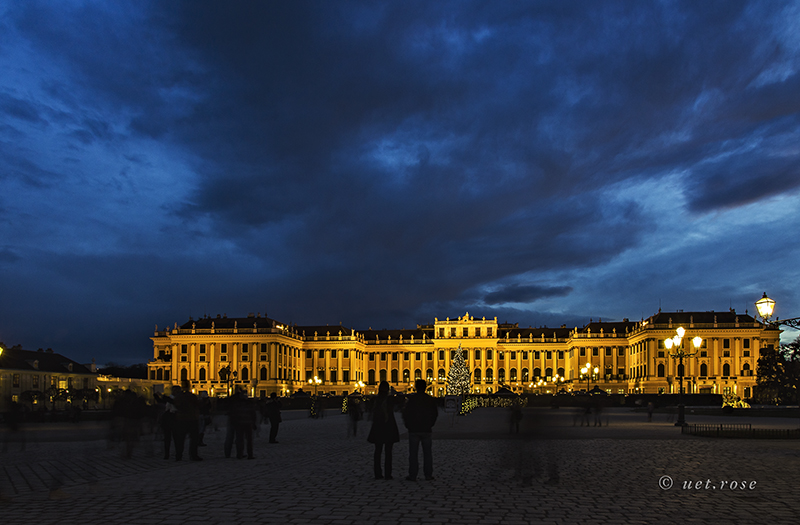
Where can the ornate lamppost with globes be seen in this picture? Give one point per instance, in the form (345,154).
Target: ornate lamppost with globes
(766,307)
(316,381)
(676,343)
(587,371)
(228,376)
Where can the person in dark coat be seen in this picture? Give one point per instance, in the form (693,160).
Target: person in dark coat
(274,415)
(419,417)
(383,433)
(244,422)
(186,422)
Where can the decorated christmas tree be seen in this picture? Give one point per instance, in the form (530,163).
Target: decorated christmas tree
(458,378)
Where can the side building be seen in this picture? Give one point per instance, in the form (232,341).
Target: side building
(38,379)
(262,355)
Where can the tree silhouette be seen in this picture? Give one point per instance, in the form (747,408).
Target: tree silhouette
(778,374)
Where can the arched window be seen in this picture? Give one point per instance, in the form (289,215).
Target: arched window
(501,375)
(417,374)
(703,369)
(429,375)
(245,374)
(660,370)
(383,375)
(442,375)
(560,372)
(477,375)
(160,374)
(202,374)
(746,370)
(166,375)
(394,376)
(371,377)
(489,375)
(524,374)
(406,376)
(184,374)
(726,369)
(548,373)
(263,373)
(537,373)
(512,375)
(680,370)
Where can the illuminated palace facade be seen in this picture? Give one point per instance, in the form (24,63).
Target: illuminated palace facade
(265,356)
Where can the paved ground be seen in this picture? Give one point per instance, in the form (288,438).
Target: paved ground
(319,474)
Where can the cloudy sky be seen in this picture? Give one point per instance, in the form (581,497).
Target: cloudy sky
(382,164)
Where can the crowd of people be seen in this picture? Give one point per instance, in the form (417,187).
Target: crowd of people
(178,416)
(182,415)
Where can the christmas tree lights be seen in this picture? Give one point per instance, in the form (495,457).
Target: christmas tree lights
(458,378)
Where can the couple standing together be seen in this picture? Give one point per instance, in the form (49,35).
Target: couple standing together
(419,416)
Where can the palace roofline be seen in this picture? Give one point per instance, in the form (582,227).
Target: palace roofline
(510,330)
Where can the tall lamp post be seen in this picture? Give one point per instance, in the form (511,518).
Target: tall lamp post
(316,381)
(228,376)
(766,307)
(676,343)
(587,371)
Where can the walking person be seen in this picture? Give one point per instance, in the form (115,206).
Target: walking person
(244,422)
(231,403)
(187,423)
(205,417)
(419,416)
(383,433)
(167,419)
(274,415)
(353,413)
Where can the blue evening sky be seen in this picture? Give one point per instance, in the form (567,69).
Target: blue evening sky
(382,164)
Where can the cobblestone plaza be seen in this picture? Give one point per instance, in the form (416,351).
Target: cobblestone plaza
(320,474)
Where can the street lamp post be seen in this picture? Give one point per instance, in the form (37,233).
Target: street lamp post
(676,342)
(316,381)
(226,374)
(766,307)
(587,371)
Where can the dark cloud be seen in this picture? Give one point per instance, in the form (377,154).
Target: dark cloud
(20,165)
(742,179)
(516,293)
(20,109)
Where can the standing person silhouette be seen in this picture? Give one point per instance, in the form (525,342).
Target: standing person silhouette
(186,422)
(419,416)
(274,415)
(383,433)
(244,422)
(354,409)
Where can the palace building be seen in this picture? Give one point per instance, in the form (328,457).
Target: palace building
(262,355)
